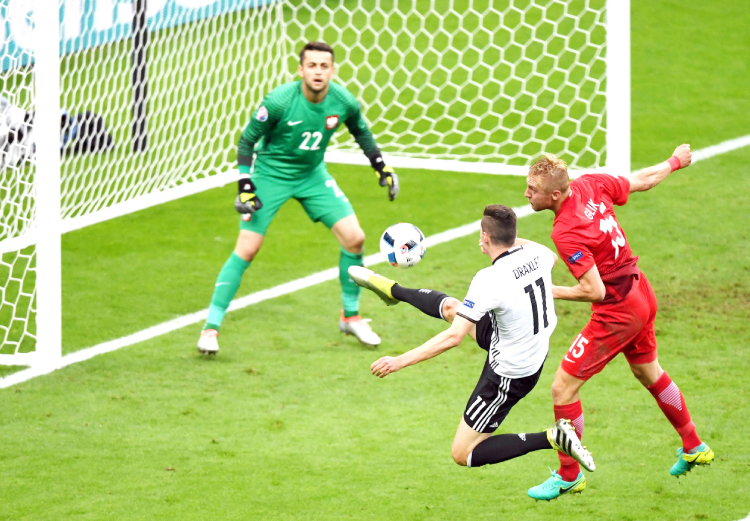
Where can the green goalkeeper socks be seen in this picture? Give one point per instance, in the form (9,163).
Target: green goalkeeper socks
(226,287)
(350,292)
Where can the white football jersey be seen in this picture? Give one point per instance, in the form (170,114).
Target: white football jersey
(517,293)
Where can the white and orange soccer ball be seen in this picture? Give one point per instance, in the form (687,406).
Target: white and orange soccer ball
(403,245)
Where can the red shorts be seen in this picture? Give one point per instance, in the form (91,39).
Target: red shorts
(626,326)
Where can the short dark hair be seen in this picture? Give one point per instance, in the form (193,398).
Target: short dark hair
(315,46)
(500,224)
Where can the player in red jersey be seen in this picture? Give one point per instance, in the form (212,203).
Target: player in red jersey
(594,247)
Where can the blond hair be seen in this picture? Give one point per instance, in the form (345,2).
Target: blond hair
(551,173)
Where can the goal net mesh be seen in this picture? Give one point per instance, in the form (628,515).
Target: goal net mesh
(469,80)
(17,211)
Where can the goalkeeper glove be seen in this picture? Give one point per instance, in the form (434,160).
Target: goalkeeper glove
(387,176)
(247,201)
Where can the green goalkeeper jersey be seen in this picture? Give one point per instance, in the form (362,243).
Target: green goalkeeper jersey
(289,135)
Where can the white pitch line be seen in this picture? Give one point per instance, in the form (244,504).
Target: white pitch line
(288,287)
(242,302)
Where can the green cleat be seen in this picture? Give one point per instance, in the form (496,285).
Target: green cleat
(555,487)
(686,462)
(378,284)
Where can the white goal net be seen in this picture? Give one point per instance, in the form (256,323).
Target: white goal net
(17,171)
(483,85)
(477,80)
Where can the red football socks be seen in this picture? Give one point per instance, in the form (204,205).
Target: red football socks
(672,404)
(568,466)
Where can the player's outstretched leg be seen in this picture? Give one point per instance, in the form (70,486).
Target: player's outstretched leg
(475,449)
(225,288)
(428,301)
(378,284)
(503,447)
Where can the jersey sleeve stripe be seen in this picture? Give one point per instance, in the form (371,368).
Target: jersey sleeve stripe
(467,318)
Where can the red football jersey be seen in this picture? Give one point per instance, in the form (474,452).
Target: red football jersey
(586,232)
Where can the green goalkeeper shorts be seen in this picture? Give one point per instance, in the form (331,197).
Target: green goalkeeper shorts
(318,193)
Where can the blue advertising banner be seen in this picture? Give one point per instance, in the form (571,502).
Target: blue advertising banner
(90,23)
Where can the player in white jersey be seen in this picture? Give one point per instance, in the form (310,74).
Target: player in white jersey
(510,313)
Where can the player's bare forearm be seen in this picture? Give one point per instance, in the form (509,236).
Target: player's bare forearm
(590,288)
(433,347)
(575,293)
(440,343)
(649,177)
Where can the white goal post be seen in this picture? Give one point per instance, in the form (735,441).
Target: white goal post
(456,85)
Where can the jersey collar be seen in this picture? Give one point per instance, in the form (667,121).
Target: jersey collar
(566,203)
(506,253)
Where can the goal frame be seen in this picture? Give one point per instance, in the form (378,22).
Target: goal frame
(50,226)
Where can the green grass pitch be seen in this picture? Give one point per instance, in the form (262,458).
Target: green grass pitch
(287,423)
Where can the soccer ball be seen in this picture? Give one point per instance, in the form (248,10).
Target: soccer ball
(403,245)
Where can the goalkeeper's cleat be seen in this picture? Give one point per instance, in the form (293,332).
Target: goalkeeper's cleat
(563,438)
(685,462)
(360,328)
(555,487)
(208,343)
(378,284)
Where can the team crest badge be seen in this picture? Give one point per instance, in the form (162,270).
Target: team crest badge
(332,122)
(262,114)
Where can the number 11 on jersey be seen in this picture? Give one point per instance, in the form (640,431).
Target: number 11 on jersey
(530,291)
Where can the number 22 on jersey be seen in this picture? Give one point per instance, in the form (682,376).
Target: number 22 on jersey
(315,137)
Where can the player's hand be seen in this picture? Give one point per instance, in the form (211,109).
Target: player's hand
(389,178)
(684,154)
(247,202)
(385,366)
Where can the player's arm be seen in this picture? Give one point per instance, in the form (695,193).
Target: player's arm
(363,136)
(260,125)
(649,177)
(440,343)
(590,288)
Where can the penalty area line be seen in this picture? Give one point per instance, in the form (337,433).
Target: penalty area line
(288,287)
(239,303)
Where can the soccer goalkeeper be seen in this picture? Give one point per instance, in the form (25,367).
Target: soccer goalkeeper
(289,134)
